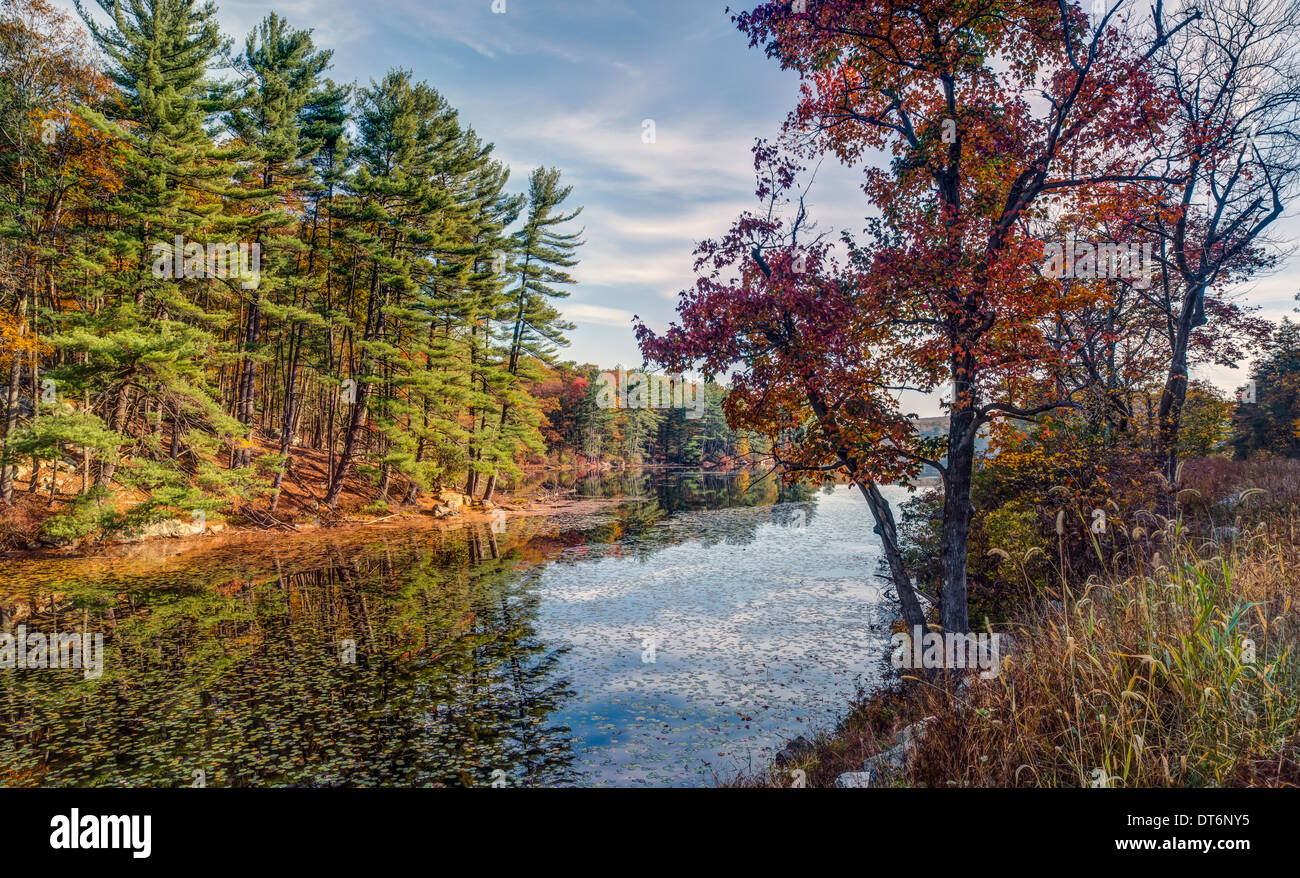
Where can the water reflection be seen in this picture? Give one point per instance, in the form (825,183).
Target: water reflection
(238,671)
(517,657)
(675,491)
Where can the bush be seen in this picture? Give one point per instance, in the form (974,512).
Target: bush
(86,515)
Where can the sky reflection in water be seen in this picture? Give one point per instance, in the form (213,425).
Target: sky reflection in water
(521,656)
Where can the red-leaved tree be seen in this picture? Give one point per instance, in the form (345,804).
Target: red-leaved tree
(978,122)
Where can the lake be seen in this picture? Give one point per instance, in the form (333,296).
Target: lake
(676,637)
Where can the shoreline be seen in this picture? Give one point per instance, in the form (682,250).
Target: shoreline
(446,506)
(223,533)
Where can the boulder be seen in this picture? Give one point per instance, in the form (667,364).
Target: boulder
(453,499)
(796,751)
(910,735)
(171,528)
(855,780)
(891,761)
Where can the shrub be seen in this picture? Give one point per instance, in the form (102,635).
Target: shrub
(85,516)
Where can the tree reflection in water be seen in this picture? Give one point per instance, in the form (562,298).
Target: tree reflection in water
(226,666)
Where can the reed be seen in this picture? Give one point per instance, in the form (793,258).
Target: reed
(1176,667)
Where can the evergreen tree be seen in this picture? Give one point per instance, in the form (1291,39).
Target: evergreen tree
(280,67)
(158,328)
(1268,414)
(542,252)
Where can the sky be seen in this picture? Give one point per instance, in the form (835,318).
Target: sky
(569,84)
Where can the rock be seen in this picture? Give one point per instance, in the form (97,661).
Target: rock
(45,541)
(1226,534)
(441,511)
(453,499)
(855,780)
(910,735)
(797,750)
(892,760)
(171,528)
(1230,501)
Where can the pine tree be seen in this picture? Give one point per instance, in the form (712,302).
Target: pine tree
(280,67)
(542,252)
(158,324)
(323,128)
(396,312)
(402,213)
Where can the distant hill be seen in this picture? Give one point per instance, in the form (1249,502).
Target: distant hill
(938,426)
(935,426)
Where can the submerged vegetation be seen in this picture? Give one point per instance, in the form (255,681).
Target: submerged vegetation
(396,656)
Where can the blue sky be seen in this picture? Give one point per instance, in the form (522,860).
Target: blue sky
(568,83)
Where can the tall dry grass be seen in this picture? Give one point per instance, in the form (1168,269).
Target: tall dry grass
(1185,674)
(1179,667)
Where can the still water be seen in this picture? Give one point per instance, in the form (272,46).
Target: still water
(676,637)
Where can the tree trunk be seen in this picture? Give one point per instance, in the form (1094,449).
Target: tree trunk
(85,450)
(290,413)
(1173,397)
(34,366)
(913,615)
(7,469)
(471,478)
(358,418)
(955,534)
(10,424)
(118,425)
(245,407)
(1169,416)
(350,440)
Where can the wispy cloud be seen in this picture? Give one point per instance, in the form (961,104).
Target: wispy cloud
(568,83)
(599,314)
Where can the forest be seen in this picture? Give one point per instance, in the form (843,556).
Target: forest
(227,279)
(232,285)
